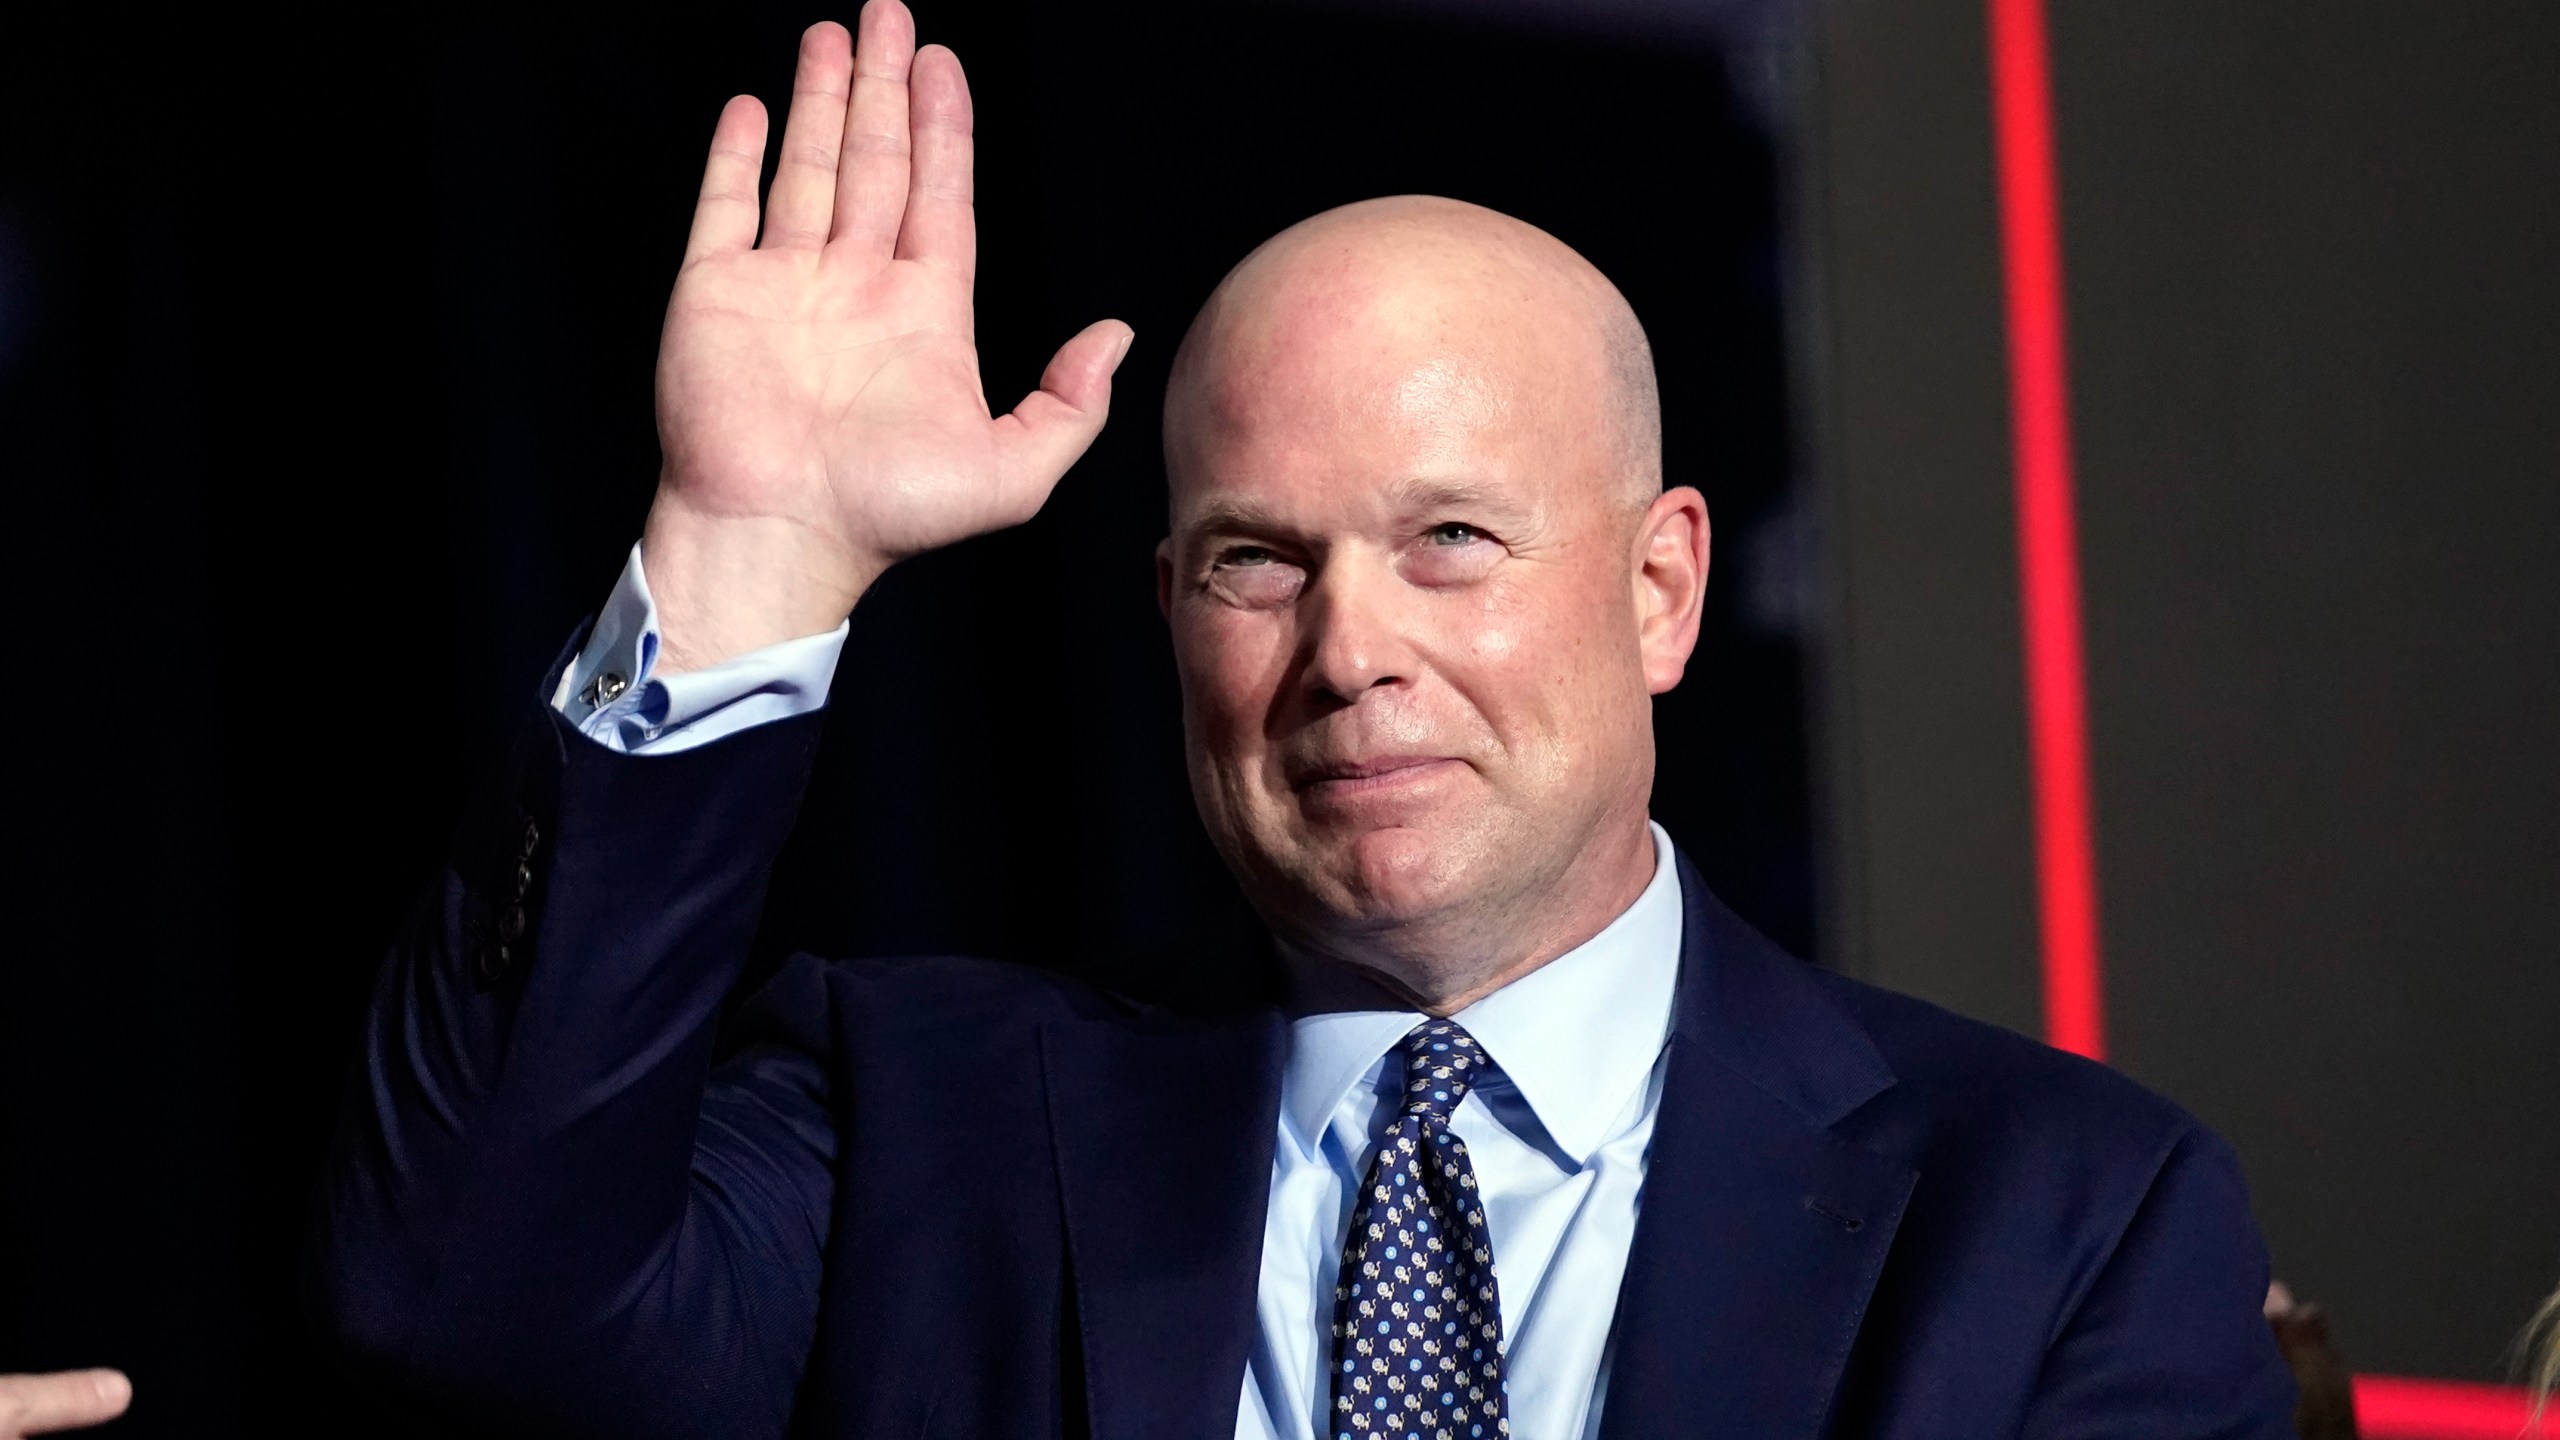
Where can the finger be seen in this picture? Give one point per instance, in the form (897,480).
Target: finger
(724,218)
(871,185)
(941,228)
(804,174)
(1053,425)
(65,1400)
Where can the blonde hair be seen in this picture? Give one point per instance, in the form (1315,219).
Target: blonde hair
(2541,1347)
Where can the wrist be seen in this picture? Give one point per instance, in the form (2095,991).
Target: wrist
(725,585)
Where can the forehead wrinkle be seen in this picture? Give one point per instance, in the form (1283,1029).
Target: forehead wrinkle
(1422,494)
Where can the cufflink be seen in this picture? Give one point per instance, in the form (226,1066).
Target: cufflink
(603,690)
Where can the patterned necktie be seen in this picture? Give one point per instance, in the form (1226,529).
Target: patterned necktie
(1417,1318)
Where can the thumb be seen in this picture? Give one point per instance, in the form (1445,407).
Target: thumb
(64,1400)
(1053,424)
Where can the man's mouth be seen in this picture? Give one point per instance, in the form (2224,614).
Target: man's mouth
(1352,777)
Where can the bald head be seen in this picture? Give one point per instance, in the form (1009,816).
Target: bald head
(1460,312)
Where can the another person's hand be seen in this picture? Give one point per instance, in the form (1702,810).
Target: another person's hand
(818,393)
(2327,1407)
(64,1400)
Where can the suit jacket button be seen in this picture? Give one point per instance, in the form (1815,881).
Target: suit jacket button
(524,881)
(511,924)
(490,963)
(532,838)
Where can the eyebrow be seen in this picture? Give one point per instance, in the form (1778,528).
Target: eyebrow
(1407,495)
(1220,516)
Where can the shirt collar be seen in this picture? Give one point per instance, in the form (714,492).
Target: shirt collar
(1577,1036)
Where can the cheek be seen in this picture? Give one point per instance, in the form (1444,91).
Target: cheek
(1513,650)
(1542,667)
(1232,664)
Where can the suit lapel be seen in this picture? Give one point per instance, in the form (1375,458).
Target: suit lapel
(1762,1232)
(1163,1139)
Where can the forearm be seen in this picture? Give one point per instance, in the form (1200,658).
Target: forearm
(519,1143)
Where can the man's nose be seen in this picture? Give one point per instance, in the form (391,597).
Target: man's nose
(1356,631)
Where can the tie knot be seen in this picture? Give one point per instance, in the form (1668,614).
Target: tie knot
(1441,1063)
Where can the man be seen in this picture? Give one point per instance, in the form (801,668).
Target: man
(1538,1140)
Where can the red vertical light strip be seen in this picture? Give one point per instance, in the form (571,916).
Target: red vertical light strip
(2388,1407)
(2048,546)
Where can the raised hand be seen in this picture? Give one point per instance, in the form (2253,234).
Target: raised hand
(818,395)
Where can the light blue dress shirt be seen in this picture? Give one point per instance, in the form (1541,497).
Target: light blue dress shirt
(641,712)
(1559,1139)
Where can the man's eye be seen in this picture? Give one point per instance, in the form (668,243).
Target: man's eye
(1454,533)
(1254,577)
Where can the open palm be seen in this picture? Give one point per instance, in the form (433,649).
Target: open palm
(818,394)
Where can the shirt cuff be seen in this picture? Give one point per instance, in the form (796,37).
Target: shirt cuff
(615,696)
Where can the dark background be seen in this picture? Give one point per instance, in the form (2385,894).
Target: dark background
(2315,353)
(325,357)
(325,349)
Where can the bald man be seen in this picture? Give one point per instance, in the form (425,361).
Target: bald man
(1532,1137)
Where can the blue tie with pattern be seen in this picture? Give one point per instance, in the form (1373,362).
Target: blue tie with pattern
(1417,1318)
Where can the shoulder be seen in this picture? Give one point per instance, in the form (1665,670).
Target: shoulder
(2007,1115)
(812,1001)
(2044,1167)
(968,986)
(1969,1105)
(1904,1076)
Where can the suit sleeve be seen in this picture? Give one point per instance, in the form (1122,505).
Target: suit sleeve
(544,1210)
(2169,1338)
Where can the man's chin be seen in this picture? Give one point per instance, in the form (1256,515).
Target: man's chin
(1400,873)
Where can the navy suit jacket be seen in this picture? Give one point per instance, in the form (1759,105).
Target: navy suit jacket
(953,1198)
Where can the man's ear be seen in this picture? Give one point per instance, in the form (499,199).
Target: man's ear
(1164,577)
(1671,583)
